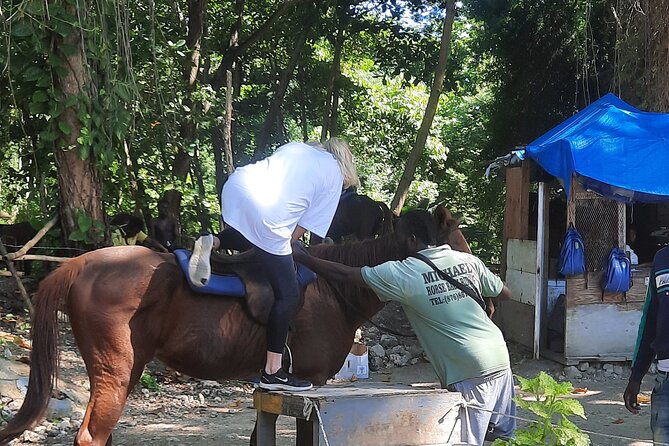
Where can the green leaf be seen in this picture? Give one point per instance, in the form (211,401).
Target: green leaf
(84,222)
(122,91)
(84,151)
(568,407)
(63,28)
(57,108)
(37,108)
(22,29)
(77,236)
(65,127)
(44,81)
(40,96)
(32,73)
(71,100)
(49,135)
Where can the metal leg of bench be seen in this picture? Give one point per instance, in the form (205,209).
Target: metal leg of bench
(266,429)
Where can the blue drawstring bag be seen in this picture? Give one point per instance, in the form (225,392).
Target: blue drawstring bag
(572,254)
(618,275)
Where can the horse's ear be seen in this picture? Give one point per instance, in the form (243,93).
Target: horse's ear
(442,213)
(444,217)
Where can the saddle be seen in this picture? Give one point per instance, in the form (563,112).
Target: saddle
(241,275)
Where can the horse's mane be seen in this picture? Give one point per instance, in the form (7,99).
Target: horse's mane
(370,252)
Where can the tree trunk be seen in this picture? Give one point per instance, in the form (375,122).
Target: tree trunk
(304,124)
(203,216)
(334,113)
(658,42)
(430,110)
(217,144)
(227,129)
(275,106)
(79,183)
(334,76)
(196,19)
(221,134)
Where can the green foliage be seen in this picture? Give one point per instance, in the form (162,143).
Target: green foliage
(87,230)
(549,403)
(148,381)
(130,118)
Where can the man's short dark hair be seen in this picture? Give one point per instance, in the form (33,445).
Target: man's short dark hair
(421,224)
(128,220)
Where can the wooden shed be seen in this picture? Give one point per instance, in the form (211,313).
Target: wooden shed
(568,319)
(604,171)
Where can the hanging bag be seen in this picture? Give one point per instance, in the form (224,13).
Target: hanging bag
(618,275)
(572,254)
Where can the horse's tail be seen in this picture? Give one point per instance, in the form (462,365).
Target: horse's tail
(44,354)
(386,225)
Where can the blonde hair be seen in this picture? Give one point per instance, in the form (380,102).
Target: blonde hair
(342,152)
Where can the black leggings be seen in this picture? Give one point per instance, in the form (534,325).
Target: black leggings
(280,271)
(231,238)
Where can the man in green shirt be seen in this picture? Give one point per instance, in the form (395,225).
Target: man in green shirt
(465,347)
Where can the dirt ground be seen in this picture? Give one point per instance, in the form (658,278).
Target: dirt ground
(185,411)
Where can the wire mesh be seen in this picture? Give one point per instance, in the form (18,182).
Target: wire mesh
(597,219)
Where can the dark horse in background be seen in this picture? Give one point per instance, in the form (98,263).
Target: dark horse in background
(15,236)
(360,217)
(128,305)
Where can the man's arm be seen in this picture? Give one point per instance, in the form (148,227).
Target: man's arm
(505,294)
(644,354)
(154,244)
(331,270)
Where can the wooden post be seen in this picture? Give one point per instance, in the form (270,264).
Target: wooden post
(517,208)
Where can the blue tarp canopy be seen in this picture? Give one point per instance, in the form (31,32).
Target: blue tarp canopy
(611,148)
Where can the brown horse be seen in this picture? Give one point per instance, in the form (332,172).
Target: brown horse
(128,305)
(449,230)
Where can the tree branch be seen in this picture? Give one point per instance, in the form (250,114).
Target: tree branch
(233,53)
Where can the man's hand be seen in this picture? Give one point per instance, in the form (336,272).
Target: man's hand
(631,392)
(490,307)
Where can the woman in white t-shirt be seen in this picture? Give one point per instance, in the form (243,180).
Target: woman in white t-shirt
(271,203)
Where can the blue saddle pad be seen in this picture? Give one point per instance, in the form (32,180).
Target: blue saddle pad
(232,285)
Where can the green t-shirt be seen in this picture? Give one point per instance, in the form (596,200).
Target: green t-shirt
(456,334)
(118,238)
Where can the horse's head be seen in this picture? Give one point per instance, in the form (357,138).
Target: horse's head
(449,230)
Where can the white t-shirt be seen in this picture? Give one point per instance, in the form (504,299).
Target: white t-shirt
(297,184)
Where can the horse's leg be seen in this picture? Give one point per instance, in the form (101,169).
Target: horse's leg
(109,391)
(113,371)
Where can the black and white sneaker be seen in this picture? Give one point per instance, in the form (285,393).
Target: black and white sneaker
(282,380)
(199,268)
